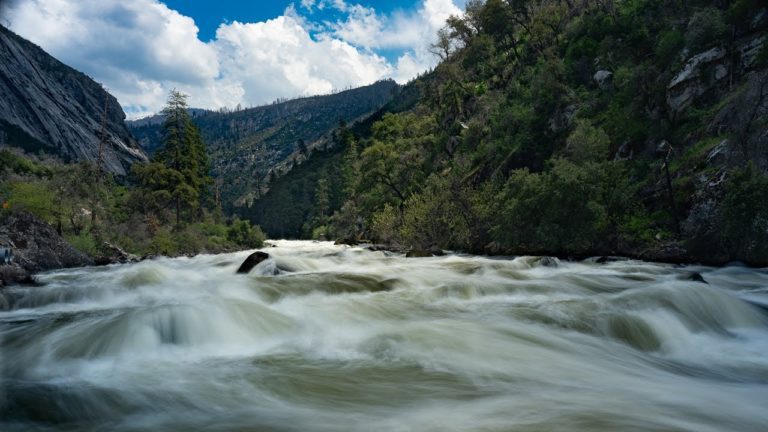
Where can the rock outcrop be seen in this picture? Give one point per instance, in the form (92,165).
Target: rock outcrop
(690,82)
(48,106)
(252,261)
(36,247)
(113,254)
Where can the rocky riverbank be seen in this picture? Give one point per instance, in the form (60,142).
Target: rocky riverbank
(36,247)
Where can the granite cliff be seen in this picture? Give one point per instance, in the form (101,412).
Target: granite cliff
(48,106)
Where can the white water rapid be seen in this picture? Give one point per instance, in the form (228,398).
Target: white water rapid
(334,338)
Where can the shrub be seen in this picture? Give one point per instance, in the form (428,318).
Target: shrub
(243,234)
(84,242)
(745,214)
(587,143)
(705,28)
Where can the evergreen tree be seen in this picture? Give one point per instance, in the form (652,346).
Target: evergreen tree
(183,151)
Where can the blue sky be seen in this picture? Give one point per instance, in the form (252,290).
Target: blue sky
(209,14)
(228,52)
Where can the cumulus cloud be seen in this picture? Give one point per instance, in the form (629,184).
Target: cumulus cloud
(141,49)
(280,58)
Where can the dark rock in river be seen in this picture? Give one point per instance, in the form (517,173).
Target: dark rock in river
(113,254)
(37,246)
(425,253)
(252,261)
(549,261)
(696,277)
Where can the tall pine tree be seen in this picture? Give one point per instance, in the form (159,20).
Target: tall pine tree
(183,152)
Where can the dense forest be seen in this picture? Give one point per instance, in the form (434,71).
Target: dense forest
(560,127)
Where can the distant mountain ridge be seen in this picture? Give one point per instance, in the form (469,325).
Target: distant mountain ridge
(48,106)
(251,147)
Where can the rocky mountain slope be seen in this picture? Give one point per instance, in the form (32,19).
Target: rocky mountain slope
(251,147)
(47,106)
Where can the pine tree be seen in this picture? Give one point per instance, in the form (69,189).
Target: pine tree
(183,151)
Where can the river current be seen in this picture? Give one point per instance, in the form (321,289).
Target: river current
(335,338)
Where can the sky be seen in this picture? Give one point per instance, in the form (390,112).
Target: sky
(224,53)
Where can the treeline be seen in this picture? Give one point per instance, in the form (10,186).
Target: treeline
(166,207)
(557,127)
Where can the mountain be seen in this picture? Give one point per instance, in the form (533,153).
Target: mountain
(251,147)
(48,106)
(563,128)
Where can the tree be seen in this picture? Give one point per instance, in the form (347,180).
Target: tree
(587,143)
(183,152)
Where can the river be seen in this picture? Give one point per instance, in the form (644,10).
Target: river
(335,338)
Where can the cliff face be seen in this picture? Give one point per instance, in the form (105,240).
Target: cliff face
(46,105)
(250,147)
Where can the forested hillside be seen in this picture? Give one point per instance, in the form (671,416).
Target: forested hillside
(563,127)
(251,147)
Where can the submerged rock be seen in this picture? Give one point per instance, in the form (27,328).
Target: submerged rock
(696,277)
(252,261)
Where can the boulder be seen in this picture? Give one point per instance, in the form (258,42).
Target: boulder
(113,254)
(718,156)
(562,118)
(689,82)
(425,253)
(748,50)
(13,274)
(549,262)
(696,277)
(603,78)
(37,246)
(418,253)
(252,261)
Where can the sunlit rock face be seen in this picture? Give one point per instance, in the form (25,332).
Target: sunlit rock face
(47,106)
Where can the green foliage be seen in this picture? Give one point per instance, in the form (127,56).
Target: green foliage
(437,216)
(741,12)
(242,233)
(162,243)
(88,207)
(386,225)
(180,169)
(393,164)
(11,163)
(705,28)
(745,214)
(85,242)
(512,146)
(35,197)
(669,46)
(587,143)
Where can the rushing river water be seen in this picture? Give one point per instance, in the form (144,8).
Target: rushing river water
(332,338)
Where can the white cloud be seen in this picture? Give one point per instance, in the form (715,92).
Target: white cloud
(141,49)
(279,58)
(412,31)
